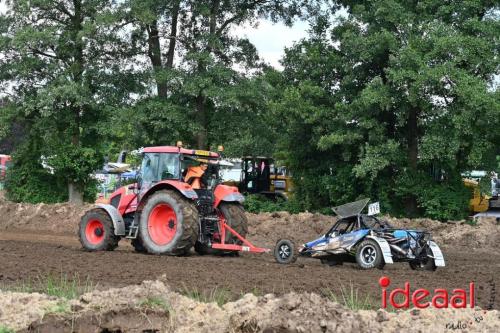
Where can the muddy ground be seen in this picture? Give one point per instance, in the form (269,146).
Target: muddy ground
(40,240)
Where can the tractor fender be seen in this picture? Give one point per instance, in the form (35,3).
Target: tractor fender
(227,194)
(183,188)
(384,247)
(437,254)
(116,217)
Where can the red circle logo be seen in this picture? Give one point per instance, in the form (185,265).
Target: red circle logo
(384,281)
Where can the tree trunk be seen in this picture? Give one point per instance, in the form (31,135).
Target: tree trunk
(413,135)
(201,109)
(173,36)
(201,118)
(154,54)
(75,194)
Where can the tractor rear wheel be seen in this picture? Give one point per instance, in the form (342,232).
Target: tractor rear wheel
(96,231)
(235,217)
(168,224)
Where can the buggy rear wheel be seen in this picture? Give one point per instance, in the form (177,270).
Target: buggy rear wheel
(96,231)
(284,252)
(426,264)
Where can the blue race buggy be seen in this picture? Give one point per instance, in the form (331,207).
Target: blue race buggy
(366,240)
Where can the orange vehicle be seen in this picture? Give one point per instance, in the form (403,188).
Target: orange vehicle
(177,203)
(5,161)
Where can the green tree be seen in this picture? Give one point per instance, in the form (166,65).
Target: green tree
(207,82)
(65,65)
(393,102)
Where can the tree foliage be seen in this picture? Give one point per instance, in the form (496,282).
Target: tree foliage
(64,67)
(393,102)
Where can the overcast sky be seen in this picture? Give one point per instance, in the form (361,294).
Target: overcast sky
(271,39)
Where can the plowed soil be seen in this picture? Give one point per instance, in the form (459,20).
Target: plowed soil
(28,256)
(38,240)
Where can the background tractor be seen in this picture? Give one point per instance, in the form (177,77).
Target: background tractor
(164,213)
(259,175)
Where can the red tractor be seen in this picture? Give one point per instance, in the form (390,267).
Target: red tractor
(168,211)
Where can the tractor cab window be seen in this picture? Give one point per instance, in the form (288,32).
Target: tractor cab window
(159,166)
(200,172)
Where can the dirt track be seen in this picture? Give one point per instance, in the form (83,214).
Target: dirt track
(27,255)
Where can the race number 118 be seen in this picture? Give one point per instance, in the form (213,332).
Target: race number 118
(374,208)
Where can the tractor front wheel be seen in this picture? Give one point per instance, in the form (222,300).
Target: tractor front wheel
(168,224)
(96,231)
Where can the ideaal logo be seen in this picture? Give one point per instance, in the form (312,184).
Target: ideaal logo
(422,298)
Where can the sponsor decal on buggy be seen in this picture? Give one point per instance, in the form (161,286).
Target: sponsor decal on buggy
(245,248)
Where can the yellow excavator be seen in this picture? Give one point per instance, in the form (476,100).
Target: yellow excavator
(481,204)
(260,175)
(479,201)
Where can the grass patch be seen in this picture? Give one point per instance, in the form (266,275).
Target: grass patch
(254,291)
(155,302)
(61,307)
(216,295)
(61,285)
(5,329)
(351,298)
(471,221)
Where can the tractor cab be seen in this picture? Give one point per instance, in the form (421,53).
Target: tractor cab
(198,168)
(177,203)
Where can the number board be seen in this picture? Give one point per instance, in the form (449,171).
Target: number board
(373,208)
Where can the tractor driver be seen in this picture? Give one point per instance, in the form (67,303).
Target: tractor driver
(194,176)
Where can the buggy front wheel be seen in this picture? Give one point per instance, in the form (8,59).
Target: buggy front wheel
(369,255)
(284,252)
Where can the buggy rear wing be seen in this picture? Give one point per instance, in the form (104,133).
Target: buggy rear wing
(351,209)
